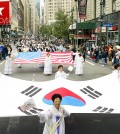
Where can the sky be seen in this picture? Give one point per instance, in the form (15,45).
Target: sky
(41,3)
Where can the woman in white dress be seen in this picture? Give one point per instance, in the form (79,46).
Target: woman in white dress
(60,73)
(79,61)
(48,65)
(54,117)
(8,65)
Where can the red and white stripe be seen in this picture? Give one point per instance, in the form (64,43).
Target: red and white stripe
(56,57)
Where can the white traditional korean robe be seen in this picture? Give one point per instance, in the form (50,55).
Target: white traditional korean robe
(51,117)
(48,65)
(79,65)
(8,65)
(116,75)
(62,74)
(76,56)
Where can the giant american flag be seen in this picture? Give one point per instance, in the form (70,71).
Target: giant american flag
(28,57)
(39,57)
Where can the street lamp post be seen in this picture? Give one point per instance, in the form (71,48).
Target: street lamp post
(72,10)
(76,23)
(101,20)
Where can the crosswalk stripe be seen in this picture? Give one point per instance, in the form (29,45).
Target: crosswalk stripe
(90,63)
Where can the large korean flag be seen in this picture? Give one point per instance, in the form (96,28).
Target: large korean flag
(19,97)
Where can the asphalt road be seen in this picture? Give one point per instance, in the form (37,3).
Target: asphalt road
(32,72)
(75,124)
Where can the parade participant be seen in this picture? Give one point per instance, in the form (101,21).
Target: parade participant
(60,73)
(79,64)
(116,72)
(54,117)
(76,55)
(8,65)
(48,64)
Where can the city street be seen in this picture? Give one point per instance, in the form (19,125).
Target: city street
(44,29)
(31,72)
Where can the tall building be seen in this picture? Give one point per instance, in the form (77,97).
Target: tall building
(38,7)
(109,10)
(109,6)
(20,17)
(42,16)
(27,18)
(14,17)
(52,6)
(35,20)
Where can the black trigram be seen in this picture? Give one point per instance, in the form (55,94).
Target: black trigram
(92,93)
(103,109)
(31,91)
(32,111)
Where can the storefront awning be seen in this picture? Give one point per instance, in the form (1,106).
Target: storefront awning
(83,25)
(86,25)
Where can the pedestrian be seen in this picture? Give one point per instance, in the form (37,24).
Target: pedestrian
(60,73)
(8,65)
(103,56)
(54,117)
(79,64)
(48,64)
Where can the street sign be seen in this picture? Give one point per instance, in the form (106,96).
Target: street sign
(107,25)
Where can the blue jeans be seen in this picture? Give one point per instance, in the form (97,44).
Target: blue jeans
(103,61)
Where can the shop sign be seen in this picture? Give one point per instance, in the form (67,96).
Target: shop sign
(107,25)
(4,12)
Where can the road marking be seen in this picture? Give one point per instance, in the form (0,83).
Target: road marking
(90,63)
(2,62)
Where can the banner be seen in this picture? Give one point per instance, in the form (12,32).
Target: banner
(82,7)
(4,12)
(39,57)
(21,98)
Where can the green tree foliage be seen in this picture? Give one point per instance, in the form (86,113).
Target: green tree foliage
(60,27)
(45,30)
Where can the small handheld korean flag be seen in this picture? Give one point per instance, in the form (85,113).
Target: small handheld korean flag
(27,105)
(70,68)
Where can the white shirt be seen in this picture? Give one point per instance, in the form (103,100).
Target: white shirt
(62,74)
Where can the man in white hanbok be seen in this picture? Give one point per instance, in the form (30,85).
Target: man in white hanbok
(48,65)
(54,117)
(8,65)
(79,61)
(60,73)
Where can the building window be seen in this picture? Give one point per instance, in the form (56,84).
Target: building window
(113,5)
(104,6)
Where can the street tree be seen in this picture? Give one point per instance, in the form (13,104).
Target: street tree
(60,27)
(46,30)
